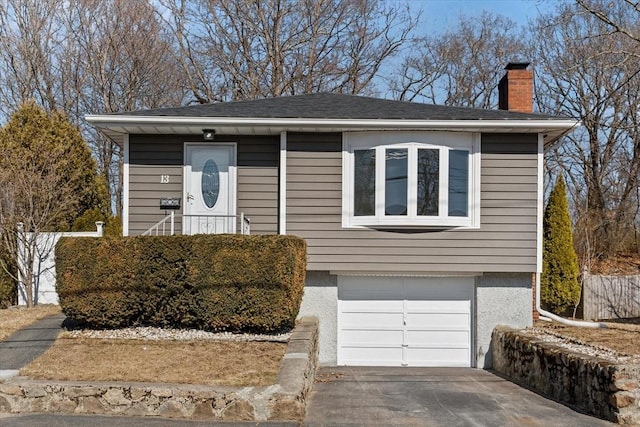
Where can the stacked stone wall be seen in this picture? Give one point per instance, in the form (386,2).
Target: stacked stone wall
(596,386)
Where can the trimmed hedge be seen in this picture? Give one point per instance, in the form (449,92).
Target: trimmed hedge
(211,282)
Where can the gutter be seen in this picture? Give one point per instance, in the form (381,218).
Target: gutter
(124,120)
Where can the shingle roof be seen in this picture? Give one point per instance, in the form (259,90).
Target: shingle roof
(335,106)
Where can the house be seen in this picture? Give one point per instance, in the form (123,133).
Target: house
(423,222)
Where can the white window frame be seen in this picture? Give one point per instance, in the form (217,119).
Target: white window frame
(380,141)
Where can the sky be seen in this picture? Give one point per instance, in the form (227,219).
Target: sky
(439,14)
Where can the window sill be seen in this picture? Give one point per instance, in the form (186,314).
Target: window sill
(417,226)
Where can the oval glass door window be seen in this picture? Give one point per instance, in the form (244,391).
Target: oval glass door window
(210,183)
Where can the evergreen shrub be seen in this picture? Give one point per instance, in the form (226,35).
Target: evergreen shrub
(559,286)
(210,282)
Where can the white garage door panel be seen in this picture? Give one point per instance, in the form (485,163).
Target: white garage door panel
(365,338)
(395,321)
(378,356)
(437,306)
(371,320)
(450,339)
(374,306)
(438,357)
(439,320)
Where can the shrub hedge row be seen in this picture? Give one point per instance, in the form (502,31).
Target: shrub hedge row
(211,282)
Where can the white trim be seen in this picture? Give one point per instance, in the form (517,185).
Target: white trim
(474,180)
(282,177)
(412,141)
(125,186)
(404,274)
(233,172)
(123,120)
(540,208)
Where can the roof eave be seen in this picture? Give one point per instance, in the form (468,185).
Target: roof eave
(121,124)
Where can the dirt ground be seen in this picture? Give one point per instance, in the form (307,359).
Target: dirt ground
(623,336)
(622,264)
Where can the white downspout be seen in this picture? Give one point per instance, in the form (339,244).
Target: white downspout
(569,322)
(545,313)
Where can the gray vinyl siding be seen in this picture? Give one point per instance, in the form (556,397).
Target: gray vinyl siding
(505,241)
(153,155)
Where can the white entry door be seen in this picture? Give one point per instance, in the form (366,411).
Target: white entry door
(210,189)
(404,321)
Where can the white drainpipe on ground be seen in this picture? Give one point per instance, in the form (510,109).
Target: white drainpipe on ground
(551,316)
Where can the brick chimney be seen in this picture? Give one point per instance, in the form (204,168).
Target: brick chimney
(515,90)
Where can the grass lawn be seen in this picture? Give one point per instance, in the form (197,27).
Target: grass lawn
(203,362)
(187,362)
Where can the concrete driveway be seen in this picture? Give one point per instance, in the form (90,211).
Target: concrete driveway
(431,397)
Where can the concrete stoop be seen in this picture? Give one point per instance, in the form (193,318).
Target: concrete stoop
(598,387)
(284,400)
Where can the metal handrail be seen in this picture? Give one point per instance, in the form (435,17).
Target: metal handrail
(156,227)
(160,228)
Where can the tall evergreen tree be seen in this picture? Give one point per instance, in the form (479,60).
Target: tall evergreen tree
(559,287)
(48,179)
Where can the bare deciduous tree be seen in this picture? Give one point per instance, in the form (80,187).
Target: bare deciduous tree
(462,66)
(120,60)
(30,40)
(251,49)
(83,56)
(586,71)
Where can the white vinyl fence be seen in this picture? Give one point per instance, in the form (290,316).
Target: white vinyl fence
(44,286)
(611,297)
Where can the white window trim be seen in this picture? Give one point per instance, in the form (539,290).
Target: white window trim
(382,140)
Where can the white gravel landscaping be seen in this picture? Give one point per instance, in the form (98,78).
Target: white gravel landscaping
(580,347)
(159,334)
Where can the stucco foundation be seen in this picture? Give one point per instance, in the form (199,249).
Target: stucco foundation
(501,299)
(320,300)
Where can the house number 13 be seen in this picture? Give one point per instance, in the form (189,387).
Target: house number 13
(164,179)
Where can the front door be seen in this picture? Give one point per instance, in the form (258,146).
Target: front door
(210,191)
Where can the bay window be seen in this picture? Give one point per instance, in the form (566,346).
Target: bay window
(410,179)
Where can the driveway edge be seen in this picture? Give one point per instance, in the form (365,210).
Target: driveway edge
(285,400)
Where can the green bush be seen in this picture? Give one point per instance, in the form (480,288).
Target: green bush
(8,288)
(87,222)
(211,282)
(559,286)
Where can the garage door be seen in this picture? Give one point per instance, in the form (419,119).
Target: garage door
(404,321)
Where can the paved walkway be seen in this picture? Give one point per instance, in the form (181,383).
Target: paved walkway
(28,343)
(431,397)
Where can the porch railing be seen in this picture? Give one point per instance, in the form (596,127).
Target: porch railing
(200,224)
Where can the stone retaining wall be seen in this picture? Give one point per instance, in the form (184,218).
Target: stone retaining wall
(284,400)
(595,386)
